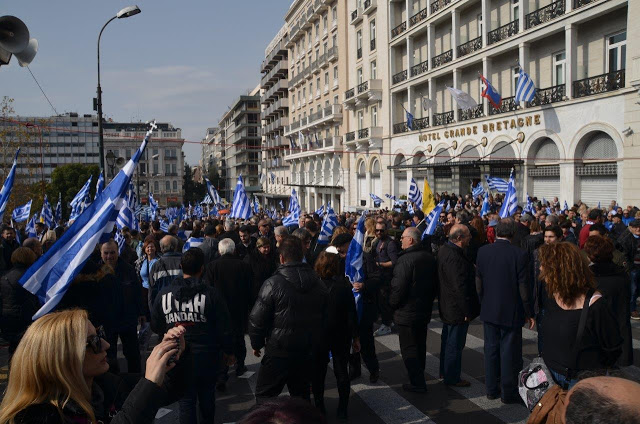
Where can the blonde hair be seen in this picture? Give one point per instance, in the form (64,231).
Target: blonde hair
(47,366)
(370,226)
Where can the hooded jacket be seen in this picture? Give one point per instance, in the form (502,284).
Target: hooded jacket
(290,314)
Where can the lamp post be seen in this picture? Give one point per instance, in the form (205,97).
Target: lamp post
(111,162)
(124,13)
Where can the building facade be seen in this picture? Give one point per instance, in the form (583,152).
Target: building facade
(576,139)
(54,141)
(274,100)
(237,145)
(160,171)
(317,40)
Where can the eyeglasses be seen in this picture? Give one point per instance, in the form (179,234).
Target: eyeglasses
(379,231)
(95,341)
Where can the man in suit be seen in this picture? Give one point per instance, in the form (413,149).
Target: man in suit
(501,282)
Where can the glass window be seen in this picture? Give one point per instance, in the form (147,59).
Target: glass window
(559,60)
(155,169)
(360,120)
(325,22)
(334,41)
(335,100)
(326,79)
(317,30)
(167,169)
(515,10)
(174,168)
(167,186)
(334,13)
(374,116)
(359,73)
(372,30)
(359,43)
(335,73)
(156,186)
(514,79)
(479,24)
(175,186)
(617,51)
(374,70)
(128,156)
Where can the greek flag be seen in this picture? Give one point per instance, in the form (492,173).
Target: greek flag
(390,197)
(126,217)
(21,213)
(510,201)
(477,191)
(262,178)
(241,205)
(529,207)
(415,195)
(120,240)
(213,193)
(154,206)
(58,213)
(526,90)
(192,242)
(281,205)
(30,229)
(566,207)
(376,200)
(99,185)
(256,206)
(164,226)
(79,197)
(8,185)
(329,223)
(49,277)
(354,262)
(207,200)
(409,121)
(46,214)
(497,184)
(432,220)
(294,208)
(549,211)
(273,178)
(486,207)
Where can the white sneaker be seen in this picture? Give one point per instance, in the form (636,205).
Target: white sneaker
(383,330)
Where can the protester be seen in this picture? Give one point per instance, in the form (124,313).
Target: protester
(502,287)
(263,264)
(571,287)
(385,255)
(67,352)
(289,331)
(413,289)
(209,245)
(166,269)
(458,302)
(191,302)
(628,244)
(143,267)
(247,243)
(9,244)
(33,244)
(602,400)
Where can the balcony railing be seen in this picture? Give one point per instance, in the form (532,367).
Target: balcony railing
(372,44)
(354,15)
(509,104)
(332,53)
(421,123)
(544,14)
(420,68)
(349,93)
(504,32)
(441,59)
(363,133)
(400,127)
(599,84)
(466,114)
(444,118)
(580,3)
(399,29)
(549,95)
(418,17)
(439,5)
(470,47)
(399,77)
(364,87)
(350,136)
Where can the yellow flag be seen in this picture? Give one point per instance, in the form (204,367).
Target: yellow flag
(428,202)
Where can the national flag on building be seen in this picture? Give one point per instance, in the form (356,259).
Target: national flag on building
(491,93)
(463,99)
(526,90)
(409,121)
(273,178)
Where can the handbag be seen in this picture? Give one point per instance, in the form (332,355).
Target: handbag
(536,379)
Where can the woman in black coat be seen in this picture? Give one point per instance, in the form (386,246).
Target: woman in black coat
(342,331)
(613,282)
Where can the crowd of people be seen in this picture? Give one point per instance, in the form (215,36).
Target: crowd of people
(205,284)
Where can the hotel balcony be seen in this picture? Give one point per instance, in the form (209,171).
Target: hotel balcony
(599,84)
(326,116)
(418,124)
(399,29)
(476,112)
(441,59)
(544,14)
(399,77)
(438,5)
(444,118)
(508,104)
(469,47)
(545,96)
(418,17)
(369,6)
(503,32)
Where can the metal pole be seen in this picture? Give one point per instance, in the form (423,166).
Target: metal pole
(99,90)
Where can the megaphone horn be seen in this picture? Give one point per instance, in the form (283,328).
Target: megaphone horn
(14,35)
(120,161)
(26,56)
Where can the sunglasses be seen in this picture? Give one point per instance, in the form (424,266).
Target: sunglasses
(379,231)
(95,341)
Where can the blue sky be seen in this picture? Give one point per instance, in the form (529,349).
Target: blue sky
(179,61)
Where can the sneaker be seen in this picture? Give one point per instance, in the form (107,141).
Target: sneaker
(382,331)
(635,315)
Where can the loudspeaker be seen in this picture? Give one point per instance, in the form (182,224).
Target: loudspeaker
(120,161)
(14,35)
(26,56)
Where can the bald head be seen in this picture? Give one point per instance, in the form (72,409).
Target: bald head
(168,244)
(410,236)
(603,400)
(460,235)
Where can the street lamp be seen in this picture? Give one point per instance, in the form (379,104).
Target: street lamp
(124,13)
(111,161)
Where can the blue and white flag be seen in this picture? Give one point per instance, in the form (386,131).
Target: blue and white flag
(256,205)
(477,191)
(410,121)
(49,277)
(154,206)
(120,241)
(262,178)
(354,262)
(30,229)
(99,185)
(281,205)
(566,207)
(376,200)
(241,204)
(320,212)
(486,206)
(497,184)
(57,216)
(432,220)
(294,209)
(415,195)
(207,200)
(80,196)
(390,197)
(21,213)
(213,193)
(529,207)
(329,223)
(46,214)
(164,226)
(549,211)
(273,178)
(8,185)
(510,201)
(192,242)
(526,90)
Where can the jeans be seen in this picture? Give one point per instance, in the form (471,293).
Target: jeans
(367,344)
(199,401)
(635,275)
(340,370)
(452,343)
(413,348)
(562,381)
(502,359)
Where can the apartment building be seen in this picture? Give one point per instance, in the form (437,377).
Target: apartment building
(366,101)
(577,139)
(161,169)
(274,99)
(317,74)
(237,144)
